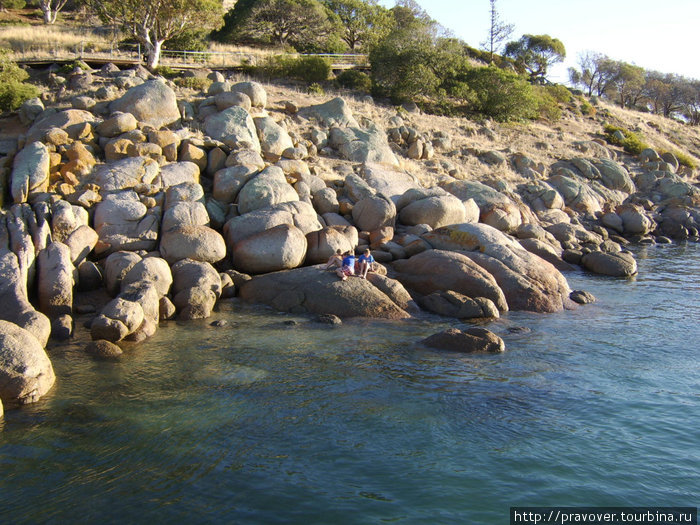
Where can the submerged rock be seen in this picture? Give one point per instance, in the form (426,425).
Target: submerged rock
(470,341)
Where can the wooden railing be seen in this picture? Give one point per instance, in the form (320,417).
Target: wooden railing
(169,57)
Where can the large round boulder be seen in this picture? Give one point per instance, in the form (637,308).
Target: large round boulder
(621,264)
(527,281)
(26,373)
(435,211)
(153,103)
(196,288)
(372,213)
(278,248)
(312,290)
(255,92)
(233,126)
(324,243)
(266,189)
(439,270)
(197,242)
(153,270)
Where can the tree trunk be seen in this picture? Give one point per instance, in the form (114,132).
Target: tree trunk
(153,53)
(48,18)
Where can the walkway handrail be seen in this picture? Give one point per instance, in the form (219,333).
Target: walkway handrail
(91,50)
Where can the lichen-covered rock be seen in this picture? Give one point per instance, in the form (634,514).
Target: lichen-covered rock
(124,223)
(266,189)
(335,112)
(274,139)
(363,145)
(233,126)
(153,270)
(126,173)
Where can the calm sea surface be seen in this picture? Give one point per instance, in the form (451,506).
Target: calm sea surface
(263,422)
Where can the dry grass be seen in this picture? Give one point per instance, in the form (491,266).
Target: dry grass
(31,39)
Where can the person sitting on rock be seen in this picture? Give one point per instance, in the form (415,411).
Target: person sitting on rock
(366,263)
(335,260)
(348,266)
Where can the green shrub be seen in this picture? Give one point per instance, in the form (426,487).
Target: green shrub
(632,143)
(308,69)
(12,4)
(167,72)
(13,90)
(198,84)
(586,107)
(548,107)
(354,79)
(559,93)
(502,95)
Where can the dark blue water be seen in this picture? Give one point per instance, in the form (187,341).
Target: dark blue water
(261,422)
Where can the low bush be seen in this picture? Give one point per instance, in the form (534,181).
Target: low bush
(632,143)
(502,95)
(13,90)
(72,66)
(548,105)
(307,69)
(167,72)
(354,79)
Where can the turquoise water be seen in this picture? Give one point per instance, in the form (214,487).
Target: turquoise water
(262,421)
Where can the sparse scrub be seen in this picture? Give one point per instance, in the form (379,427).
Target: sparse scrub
(198,84)
(632,143)
(316,89)
(683,159)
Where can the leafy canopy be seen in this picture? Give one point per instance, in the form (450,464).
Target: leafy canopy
(536,54)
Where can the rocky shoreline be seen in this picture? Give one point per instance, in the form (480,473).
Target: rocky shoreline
(139,204)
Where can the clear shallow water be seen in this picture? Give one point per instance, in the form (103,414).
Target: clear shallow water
(260,422)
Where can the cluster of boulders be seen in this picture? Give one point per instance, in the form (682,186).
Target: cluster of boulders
(170,204)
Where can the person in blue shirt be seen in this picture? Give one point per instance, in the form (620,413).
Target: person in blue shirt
(348,267)
(366,263)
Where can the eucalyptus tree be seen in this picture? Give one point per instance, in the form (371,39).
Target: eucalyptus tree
(536,54)
(152,22)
